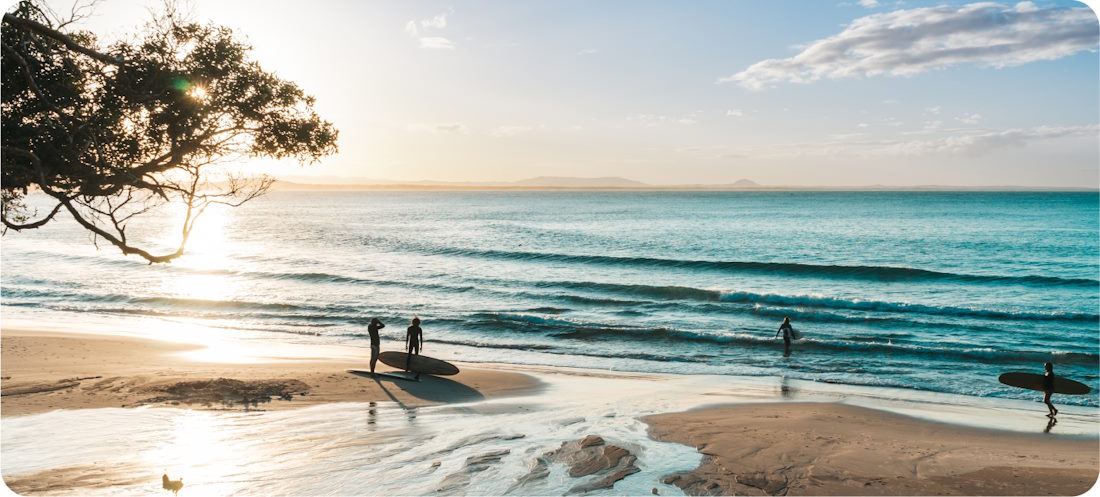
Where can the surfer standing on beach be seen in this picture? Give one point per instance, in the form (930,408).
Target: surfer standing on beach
(414,337)
(375,344)
(1048,389)
(787,330)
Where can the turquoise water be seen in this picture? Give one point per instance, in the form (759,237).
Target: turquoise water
(930,291)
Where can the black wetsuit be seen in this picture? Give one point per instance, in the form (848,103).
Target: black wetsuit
(414,337)
(372,329)
(786,329)
(1048,383)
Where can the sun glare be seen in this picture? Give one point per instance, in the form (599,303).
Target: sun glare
(197,92)
(204,259)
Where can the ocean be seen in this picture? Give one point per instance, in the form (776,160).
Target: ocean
(933,291)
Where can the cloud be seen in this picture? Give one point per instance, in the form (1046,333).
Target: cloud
(986,141)
(908,42)
(437,22)
(447,128)
(870,4)
(957,142)
(436,42)
(969,118)
(588,51)
(509,131)
(415,29)
(734,113)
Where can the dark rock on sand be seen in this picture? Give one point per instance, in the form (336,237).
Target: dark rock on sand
(591,456)
(225,391)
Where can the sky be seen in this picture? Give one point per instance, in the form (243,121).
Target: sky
(817,93)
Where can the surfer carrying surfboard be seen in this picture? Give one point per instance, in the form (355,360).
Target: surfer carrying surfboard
(787,330)
(375,344)
(1048,389)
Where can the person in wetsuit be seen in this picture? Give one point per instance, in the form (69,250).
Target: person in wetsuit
(375,344)
(414,341)
(1048,389)
(786,329)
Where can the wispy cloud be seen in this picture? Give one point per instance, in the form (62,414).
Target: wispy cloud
(437,22)
(449,128)
(969,118)
(734,113)
(956,142)
(436,42)
(907,42)
(870,4)
(588,51)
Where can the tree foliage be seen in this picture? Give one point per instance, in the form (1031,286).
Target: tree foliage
(110,133)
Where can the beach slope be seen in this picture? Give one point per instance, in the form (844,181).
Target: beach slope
(838,449)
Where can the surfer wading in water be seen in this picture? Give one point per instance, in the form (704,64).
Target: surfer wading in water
(786,329)
(375,344)
(1048,389)
(414,341)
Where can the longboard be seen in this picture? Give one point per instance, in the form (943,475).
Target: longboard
(417,363)
(1032,381)
(795,334)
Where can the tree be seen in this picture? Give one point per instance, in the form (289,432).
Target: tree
(109,134)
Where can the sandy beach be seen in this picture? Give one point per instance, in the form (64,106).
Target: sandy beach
(759,448)
(46,370)
(834,449)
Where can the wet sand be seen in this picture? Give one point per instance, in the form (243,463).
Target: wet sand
(774,448)
(835,449)
(41,371)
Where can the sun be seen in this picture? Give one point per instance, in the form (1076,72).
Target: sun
(197,92)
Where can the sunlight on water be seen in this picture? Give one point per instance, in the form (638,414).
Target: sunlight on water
(383,448)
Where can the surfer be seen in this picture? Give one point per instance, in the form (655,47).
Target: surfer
(414,337)
(414,341)
(375,344)
(786,329)
(1048,389)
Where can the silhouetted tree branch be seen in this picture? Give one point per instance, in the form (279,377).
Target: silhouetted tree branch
(112,133)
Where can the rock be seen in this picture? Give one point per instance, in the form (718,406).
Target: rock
(592,456)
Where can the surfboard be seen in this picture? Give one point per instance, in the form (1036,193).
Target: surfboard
(417,363)
(1032,381)
(795,334)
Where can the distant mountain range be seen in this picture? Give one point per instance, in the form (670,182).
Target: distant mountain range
(606,183)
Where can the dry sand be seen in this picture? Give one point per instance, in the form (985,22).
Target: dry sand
(837,449)
(42,371)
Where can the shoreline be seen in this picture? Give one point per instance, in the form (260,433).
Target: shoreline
(751,433)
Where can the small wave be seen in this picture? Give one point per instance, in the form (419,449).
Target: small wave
(861,272)
(861,344)
(699,294)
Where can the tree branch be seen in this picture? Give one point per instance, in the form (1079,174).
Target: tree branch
(42,29)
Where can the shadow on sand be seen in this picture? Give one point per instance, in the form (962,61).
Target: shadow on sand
(429,388)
